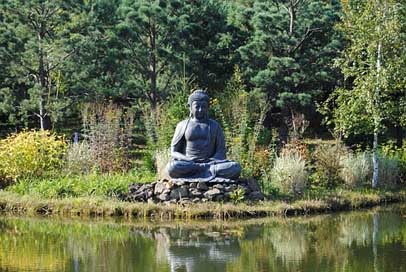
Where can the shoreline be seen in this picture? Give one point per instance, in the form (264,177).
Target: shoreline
(95,207)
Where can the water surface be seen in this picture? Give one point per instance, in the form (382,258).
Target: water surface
(373,240)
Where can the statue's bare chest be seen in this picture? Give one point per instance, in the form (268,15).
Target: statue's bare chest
(197,132)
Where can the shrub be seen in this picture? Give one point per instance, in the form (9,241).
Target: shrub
(30,154)
(328,164)
(108,132)
(289,173)
(355,169)
(388,174)
(79,159)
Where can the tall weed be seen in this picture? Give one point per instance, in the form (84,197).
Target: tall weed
(108,133)
(356,169)
(289,173)
(79,159)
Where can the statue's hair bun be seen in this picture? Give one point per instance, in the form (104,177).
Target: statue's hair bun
(198,95)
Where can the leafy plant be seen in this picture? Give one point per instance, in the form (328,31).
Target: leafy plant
(30,154)
(237,195)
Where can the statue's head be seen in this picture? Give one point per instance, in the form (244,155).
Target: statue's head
(199,104)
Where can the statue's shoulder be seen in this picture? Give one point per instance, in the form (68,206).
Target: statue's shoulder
(182,123)
(214,123)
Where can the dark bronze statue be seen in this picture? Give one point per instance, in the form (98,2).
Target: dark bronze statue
(198,150)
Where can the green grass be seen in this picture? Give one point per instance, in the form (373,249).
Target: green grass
(92,185)
(13,203)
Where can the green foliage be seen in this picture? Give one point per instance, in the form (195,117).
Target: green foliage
(106,185)
(290,61)
(30,154)
(160,124)
(241,114)
(373,66)
(237,195)
(289,173)
(36,52)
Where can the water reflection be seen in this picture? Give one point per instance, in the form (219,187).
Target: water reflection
(358,241)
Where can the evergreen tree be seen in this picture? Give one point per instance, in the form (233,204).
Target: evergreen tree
(35,52)
(288,51)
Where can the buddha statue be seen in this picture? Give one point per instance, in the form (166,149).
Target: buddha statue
(198,150)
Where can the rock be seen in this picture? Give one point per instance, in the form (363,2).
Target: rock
(196,193)
(230,188)
(178,182)
(138,197)
(150,201)
(172,201)
(253,185)
(219,197)
(255,196)
(145,187)
(132,188)
(170,185)
(149,193)
(159,188)
(163,197)
(178,193)
(227,195)
(212,193)
(202,186)
(219,186)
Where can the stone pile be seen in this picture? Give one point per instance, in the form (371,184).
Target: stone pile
(178,191)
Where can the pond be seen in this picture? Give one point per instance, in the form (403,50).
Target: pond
(372,240)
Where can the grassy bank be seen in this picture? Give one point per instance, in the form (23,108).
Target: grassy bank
(12,203)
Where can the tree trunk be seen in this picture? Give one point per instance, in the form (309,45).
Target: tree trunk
(375,175)
(399,136)
(375,160)
(292,15)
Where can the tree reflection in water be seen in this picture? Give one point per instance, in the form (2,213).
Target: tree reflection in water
(357,241)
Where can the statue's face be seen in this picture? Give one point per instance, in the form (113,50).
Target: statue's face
(199,109)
